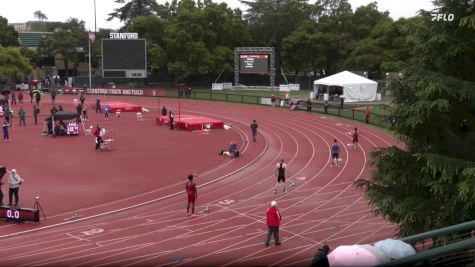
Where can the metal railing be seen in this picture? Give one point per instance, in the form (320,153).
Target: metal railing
(319,107)
(449,246)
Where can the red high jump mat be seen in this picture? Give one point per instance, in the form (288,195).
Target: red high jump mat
(191,122)
(122,106)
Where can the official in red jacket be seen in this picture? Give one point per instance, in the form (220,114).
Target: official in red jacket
(273,222)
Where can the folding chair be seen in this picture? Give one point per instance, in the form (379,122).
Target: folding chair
(88,131)
(139,116)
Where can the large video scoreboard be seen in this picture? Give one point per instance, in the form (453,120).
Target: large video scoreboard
(258,64)
(124,58)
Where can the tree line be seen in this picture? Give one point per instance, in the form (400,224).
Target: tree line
(190,39)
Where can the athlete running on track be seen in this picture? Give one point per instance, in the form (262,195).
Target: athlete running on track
(335,153)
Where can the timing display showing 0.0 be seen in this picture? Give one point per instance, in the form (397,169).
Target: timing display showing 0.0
(257,64)
(19,214)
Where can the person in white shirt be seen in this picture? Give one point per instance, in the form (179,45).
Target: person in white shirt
(15,181)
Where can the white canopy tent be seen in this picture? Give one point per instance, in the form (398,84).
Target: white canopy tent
(355,87)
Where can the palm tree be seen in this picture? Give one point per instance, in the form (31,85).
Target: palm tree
(40,15)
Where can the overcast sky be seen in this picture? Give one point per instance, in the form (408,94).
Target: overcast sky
(61,10)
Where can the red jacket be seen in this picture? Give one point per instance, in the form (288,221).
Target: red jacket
(273,217)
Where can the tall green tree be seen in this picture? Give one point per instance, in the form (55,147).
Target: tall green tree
(96,46)
(434,114)
(69,41)
(435,48)
(386,49)
(194,39)
(31,55)
(13,64)
(304,49)
(332,8)
(132,9)
(151,28)
(8,35)
(271,21)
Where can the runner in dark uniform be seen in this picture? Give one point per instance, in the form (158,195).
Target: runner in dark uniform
(280,173)
(335,153)
(192,195)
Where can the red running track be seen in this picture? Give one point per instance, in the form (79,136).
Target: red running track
(132,200)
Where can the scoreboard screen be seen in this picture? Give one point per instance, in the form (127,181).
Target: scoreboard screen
(257,64)
(124,58)
(72,128)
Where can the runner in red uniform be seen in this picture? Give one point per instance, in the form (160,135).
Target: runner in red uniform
(355,138)
(192,195)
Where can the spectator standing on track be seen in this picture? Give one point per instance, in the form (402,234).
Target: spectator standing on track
(273,223)
(98,105)
(254,130)
(31,96)
(171,117)
(6,136)
(355,138)
(192,194)
(335,153)
(21,114)
(36,111)
(272,100)
(79,112)
(84,112)
(9,115)
(280,171)
(321,257)
(325,107)
(15,181)
(20,98)
(97,135)
(164,111)
(309,106)
(106,112)
(37,98)
(82,98)
(13,98)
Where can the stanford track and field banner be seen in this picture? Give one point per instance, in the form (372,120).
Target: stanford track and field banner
(113,91)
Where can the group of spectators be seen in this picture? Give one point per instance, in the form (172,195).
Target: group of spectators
(6,110)
(182,92)
(14,182)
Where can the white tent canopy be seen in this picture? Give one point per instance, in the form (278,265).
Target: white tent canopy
(355,87)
